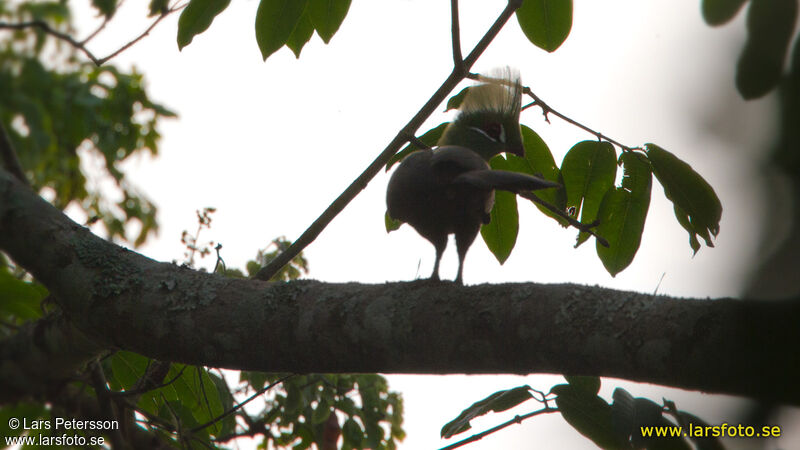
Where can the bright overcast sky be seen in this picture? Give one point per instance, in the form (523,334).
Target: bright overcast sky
(271,144)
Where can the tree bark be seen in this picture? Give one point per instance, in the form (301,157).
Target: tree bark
(120,299)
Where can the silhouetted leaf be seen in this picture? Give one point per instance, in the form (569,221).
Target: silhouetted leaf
(538,161)
(623,213)
(704,441)
(590,415)
(641,422)
(196,18)
(586,384)
(770,24)
(717,12)
(588,170)
(546,23)
(499,401)
(327,16)
(275,21)
(697,206)
(500,234)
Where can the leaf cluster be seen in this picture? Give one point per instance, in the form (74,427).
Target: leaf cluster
(296,412)
(770,27)
(278,22)
(588,192)
(620,425)
(57,108)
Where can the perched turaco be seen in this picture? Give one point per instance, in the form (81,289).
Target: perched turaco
(450,189)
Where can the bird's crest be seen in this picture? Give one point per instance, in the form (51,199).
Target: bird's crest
(500,92)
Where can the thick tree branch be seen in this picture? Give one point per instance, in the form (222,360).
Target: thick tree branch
(124,300)
(456,76)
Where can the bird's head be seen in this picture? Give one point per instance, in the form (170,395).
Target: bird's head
(488,118)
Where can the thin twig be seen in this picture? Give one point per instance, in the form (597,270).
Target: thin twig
(515,420)
(455,77)
(584,227)
(81,45)
(458,59)
(146,32)
(238,406)
(9,155)
(546,110)
(100,386)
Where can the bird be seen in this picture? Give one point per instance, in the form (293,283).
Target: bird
(449,189)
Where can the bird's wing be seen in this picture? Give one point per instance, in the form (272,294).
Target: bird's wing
(503,180)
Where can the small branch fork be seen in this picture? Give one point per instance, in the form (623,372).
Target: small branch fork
(81,45)
(584,227)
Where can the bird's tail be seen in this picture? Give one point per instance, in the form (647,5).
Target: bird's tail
(503,180)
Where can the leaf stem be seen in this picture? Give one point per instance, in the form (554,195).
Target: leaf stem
(515,420)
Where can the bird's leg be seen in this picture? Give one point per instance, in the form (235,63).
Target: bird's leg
(464,238)
(440,243)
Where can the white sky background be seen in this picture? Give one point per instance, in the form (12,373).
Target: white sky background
(271,144)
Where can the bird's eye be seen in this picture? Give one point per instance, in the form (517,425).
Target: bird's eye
(495,131)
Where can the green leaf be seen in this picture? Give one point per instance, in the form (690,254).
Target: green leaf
(20,298)
(430,138)
(500,234)
(497,402)
(127,368)
(275,21)
(391,224)
(106,7)
(588,170)
(352,434)
(718,12)
(455,101)
(697,206)
(221,403)
(158,7)
(538,161)
(301,35)
(546,23)
(586,384)
(623,213)
(589,414)
(770,24)
(327,16)
(197,17)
